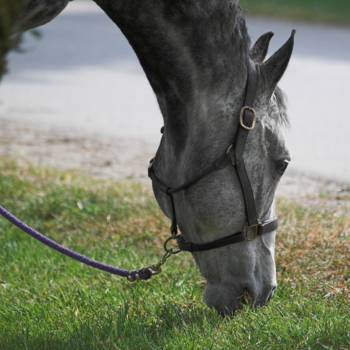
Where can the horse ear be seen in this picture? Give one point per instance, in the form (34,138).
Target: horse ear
(273,69)
(259,51)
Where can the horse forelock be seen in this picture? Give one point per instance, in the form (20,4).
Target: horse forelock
(239,29)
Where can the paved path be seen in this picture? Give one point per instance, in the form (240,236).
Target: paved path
(83,76)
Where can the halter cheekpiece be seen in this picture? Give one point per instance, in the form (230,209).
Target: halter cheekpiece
(233,156)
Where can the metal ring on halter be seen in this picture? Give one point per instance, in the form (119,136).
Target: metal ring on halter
(241,118)
(228,150)
(171,249)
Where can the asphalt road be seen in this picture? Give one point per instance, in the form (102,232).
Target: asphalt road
(83,76)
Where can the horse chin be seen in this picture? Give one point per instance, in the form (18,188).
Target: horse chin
(227,300)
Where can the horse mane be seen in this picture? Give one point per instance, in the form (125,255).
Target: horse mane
(239,33)
(282,103)
(219,21)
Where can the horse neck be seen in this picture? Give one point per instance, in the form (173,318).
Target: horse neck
(194,54)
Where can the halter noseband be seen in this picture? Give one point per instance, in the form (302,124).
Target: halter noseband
(233,156)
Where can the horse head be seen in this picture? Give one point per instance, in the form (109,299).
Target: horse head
(215,206)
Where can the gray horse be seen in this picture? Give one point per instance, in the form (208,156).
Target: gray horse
(196,55)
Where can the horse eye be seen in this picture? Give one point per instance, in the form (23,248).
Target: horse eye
(281,166)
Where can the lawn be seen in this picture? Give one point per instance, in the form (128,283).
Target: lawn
(48,301)
(331,11)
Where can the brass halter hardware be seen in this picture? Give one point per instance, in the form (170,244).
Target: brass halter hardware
(228,150)
(246,230)
(156,268)
(241,118)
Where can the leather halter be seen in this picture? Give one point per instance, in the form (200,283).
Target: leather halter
(233,156)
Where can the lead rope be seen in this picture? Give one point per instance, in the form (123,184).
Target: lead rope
(145,273)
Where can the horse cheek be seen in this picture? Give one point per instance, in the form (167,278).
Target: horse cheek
(211,202)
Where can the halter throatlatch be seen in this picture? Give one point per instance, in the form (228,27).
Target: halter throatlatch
(233,156)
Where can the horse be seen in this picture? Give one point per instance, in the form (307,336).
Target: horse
(198,58)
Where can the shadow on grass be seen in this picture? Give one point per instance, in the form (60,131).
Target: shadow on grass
(174,326)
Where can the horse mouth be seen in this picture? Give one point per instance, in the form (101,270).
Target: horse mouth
(245,298)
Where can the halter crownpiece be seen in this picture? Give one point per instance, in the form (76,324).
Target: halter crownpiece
(233,156)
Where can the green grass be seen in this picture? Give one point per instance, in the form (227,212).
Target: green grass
(331,11)
(48,301)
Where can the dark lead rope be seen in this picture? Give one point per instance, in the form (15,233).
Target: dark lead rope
(143,274)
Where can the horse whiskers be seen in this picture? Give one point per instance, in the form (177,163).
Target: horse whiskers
(245,297)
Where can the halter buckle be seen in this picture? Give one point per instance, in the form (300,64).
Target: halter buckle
(241,118)
(256,229)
